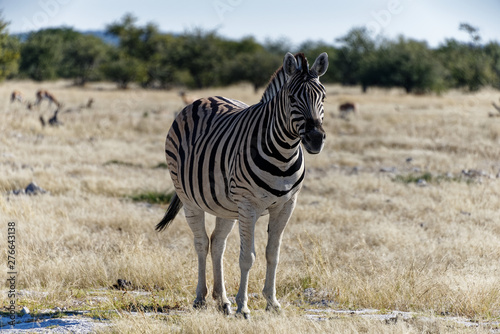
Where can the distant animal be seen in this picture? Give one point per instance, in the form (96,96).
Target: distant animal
(491,114)
(239,162)
(89,104)
(16,96)
(45,95)
(186,98)
(53,121)
(495,106)
(346,108)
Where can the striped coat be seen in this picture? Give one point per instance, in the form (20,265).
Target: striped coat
(238,162)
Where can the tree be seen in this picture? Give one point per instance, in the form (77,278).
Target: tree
(255,68)
(160,68)
(356,47)
(82,56)
(9,52)
(135,41)
(472,31)
(492,51)
(467,65)
(405,63)
(154,53)
(202,55)
(123,70)
(278,47)
(42,53)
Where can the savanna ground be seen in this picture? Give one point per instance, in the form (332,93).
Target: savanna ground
(398,213)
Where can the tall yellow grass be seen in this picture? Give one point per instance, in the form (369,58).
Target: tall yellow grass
(365,233)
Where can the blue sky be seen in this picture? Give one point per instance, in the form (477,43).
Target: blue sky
(298,21)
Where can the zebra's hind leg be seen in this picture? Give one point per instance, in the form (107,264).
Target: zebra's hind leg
(218,246)
(278,219)
(196,220)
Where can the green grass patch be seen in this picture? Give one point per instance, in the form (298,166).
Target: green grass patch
(306,282)
(161,165)
(428,178)
(414,178)
(121,163)
(153,197)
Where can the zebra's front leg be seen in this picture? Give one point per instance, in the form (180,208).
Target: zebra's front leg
(196,220)
(247,220)
(218,245)
(278,219)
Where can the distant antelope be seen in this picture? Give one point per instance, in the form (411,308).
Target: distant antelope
(186,98)
(45,95)
(346,108)
(89,104)
(16,96)
(495,106)
(53,121)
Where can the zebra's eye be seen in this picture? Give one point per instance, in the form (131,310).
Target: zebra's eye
(292,99)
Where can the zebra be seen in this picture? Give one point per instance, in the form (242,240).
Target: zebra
(238,162)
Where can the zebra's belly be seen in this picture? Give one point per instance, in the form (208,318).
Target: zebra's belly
(226,206)
(212,200)
(213,188)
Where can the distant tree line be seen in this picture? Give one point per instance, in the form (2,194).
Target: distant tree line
(199,59)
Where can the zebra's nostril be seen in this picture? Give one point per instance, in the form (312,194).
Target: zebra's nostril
(313,140)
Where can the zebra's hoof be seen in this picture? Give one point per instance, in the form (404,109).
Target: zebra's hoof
(226,309)
(199,304)
(245,315)
(274,309)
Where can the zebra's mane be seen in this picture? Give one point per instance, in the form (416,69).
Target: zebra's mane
(278,79)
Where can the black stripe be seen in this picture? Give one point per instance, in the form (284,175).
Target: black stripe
(171,154)
(260,183)
(262,163)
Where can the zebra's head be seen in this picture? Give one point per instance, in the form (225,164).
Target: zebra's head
(305,96)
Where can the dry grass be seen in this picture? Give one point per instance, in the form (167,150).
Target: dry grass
(210,322)
(360,237)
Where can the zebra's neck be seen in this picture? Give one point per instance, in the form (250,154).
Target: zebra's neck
(277,139)
(277,81)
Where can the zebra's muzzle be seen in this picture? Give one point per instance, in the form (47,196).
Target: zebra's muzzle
(314,140)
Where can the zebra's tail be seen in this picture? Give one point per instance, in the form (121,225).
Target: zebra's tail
(173,209)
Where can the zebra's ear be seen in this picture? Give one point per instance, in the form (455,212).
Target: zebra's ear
(290,65)
(320,64)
